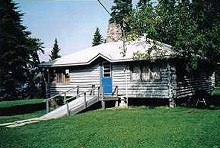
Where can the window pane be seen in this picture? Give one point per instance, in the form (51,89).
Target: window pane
(107,69)
(155,74)
(145,73)
(136,73)
(67,78)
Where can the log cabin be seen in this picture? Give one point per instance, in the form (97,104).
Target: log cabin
(157,75)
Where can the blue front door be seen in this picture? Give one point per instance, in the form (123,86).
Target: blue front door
(107,85)
(106,78)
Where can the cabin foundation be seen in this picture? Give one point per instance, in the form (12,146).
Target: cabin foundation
(123,102)
(103,105)
(172,103)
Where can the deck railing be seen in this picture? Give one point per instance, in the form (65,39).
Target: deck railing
(66,100)
(91,92)
(53,97)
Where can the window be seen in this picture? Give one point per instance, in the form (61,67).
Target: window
(136,73)
(140,72)
(61,77)
(67,78)
(155,73)
(146,73)
(107,69)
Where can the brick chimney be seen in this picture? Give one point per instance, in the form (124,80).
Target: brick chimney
(114,32)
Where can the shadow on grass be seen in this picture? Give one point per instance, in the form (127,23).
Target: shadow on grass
(22,109)
(92,107)
(150,102)
(212,102)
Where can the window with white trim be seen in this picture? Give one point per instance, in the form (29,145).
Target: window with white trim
(140,72)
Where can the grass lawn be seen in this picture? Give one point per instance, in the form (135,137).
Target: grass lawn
(6,104)
(21,109)
(123,128)
(216,91)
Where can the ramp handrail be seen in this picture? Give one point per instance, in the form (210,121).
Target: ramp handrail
(115,92)
(66,100)
(92,92)
(57,95)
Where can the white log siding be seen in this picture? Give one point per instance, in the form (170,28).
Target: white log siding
(168,86)
(187,85)
(83,76)
(140,89)
(56,88)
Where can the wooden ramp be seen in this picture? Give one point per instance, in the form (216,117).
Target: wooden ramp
(81,101)
(73,107)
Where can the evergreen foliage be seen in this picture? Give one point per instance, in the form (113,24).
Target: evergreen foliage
(121,13)
(97,38)
(18,51)
(55,51)
(142,3)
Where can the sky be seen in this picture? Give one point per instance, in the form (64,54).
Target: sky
(72,22)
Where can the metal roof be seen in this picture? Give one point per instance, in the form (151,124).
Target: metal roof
(112,52)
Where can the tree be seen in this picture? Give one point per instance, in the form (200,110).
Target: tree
(143,3)
(193,31)
(143,21)
(55,51)
(33,73)
(121,12)
(18,50)
(190,27)
(97,38)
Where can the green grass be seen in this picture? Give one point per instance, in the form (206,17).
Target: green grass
(6,119)
(6,104)
(11,111)
(216,91)
(140,127)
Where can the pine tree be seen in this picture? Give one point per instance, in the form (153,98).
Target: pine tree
(97,38)
(17,53)
(13,37)
(121,13)
(55,51)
